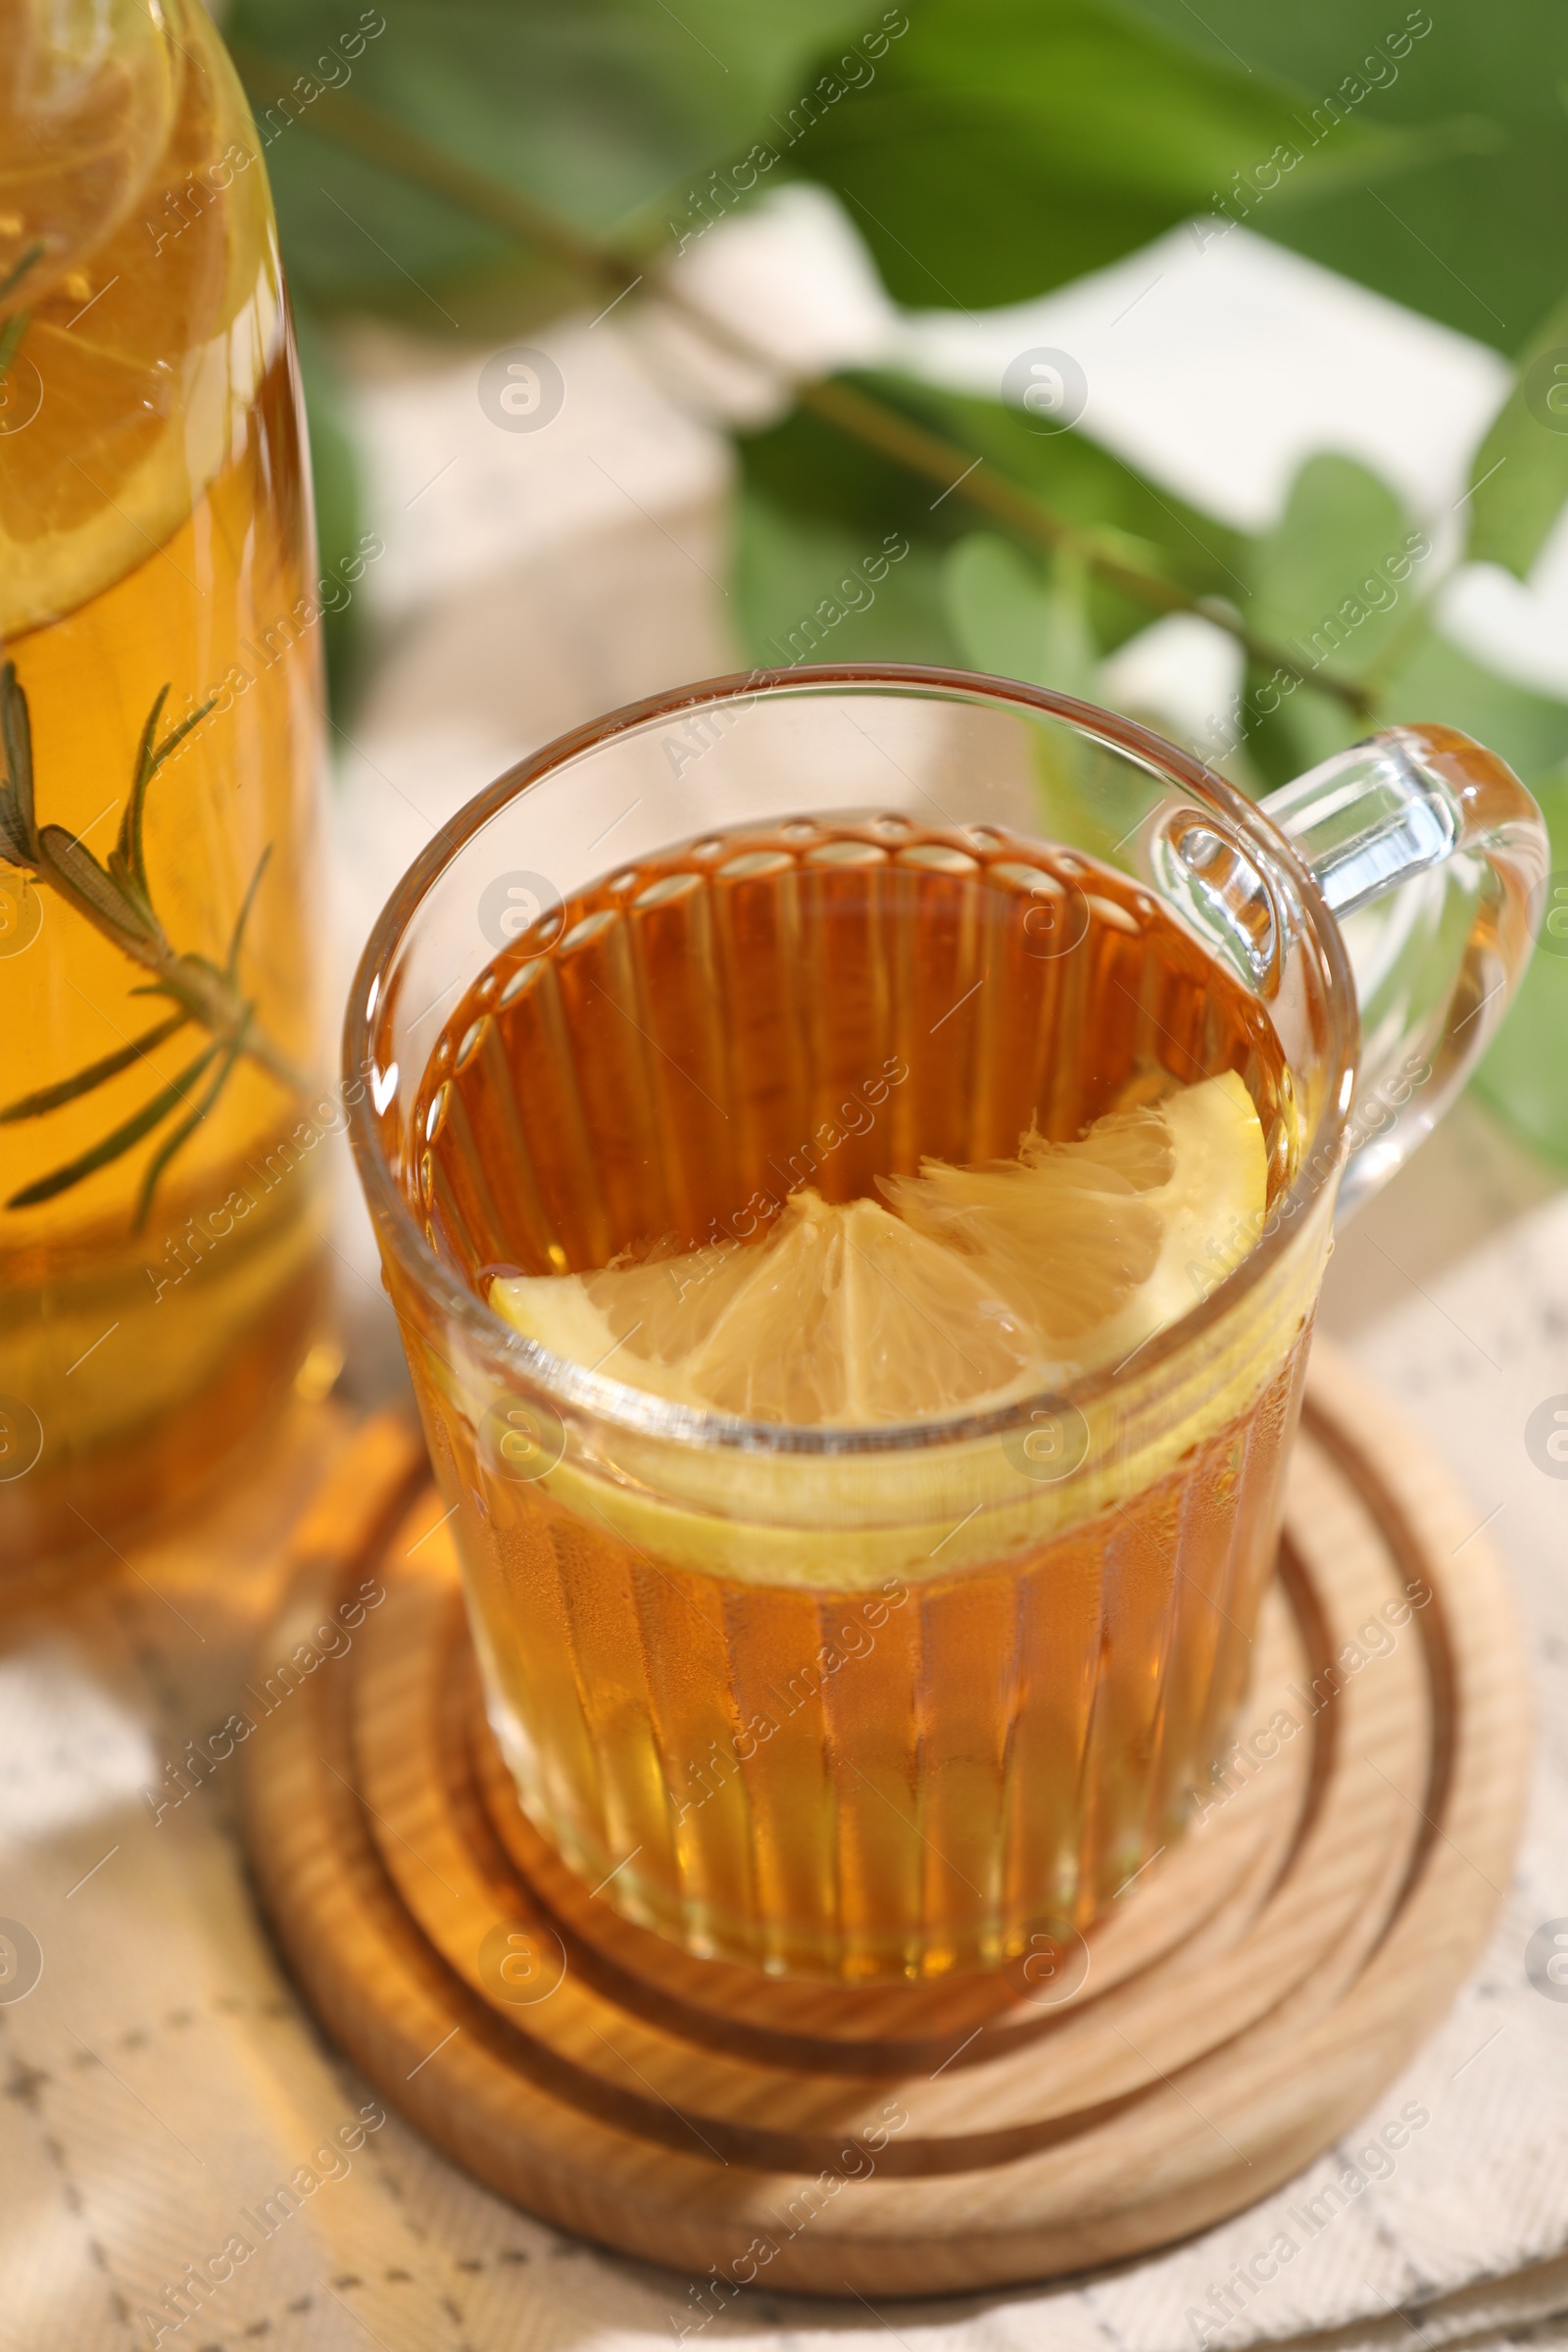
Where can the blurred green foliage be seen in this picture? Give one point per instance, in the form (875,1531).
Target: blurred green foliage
(1007,146)
(603,111)
(1524,467)
(335,476)
(1523,1075)
(1466,236)
(988,150)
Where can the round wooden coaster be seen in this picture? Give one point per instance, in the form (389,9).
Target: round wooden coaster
(1251,1994)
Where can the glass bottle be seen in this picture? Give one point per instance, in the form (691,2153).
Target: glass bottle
(161,1194)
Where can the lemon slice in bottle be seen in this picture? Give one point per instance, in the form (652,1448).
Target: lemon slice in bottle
(982,1283)
(134,232)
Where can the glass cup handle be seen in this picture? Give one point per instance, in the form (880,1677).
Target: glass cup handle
(1432,857)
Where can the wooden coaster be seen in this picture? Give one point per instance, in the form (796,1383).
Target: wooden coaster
(1250,1995)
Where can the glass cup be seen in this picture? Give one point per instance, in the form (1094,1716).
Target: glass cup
(882,1703)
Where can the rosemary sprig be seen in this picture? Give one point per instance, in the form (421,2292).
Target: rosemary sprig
(118,901)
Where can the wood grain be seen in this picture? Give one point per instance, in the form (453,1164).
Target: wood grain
(1243,2005)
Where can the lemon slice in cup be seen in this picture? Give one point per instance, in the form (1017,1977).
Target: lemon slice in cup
(974,1284)
(967,1289)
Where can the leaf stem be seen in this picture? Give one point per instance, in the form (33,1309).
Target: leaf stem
(383,140)
(408,155)
(923,452)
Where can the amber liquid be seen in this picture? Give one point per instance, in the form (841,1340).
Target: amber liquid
(136,1354)
(898,1775)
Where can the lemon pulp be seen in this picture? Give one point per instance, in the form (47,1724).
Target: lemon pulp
(972,1285)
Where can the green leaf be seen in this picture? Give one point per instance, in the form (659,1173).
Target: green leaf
(1524,1074)
(97,1073)
(181,1135)
(80,869)
(177,735)
(117,1141)
(1005,146)
(1017,619)
(127,884)
(1327,580)
(142,775)
(816,575)
(128,862)
(1152,527)
(1461,238)
(15,847)
(608,112)
(1520,476)
(237,935)
(1434,678)
(1337,586)
(808,590)
(815,503)
(1439,680)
